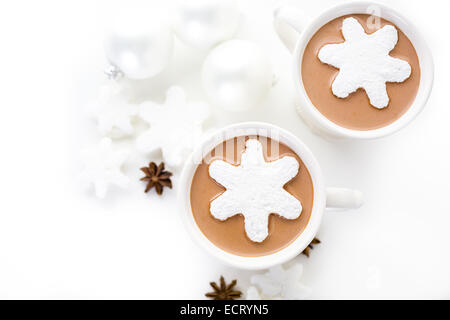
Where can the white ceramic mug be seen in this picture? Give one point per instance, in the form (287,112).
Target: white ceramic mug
(323,197)
(295,29)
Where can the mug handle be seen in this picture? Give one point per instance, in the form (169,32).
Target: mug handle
(343,198)
(289,22)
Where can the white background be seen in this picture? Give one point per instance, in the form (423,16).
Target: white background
(57,241)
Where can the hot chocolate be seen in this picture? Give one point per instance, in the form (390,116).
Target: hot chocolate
(232,233)
(366,108)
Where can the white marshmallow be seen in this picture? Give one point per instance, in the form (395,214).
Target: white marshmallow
(255,190)
(102,167)
(113,111)
(364,62)
(252,294)
(281,283)
(175,126)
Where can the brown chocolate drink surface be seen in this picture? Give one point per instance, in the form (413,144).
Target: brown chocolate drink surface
(230,235)
(355,111)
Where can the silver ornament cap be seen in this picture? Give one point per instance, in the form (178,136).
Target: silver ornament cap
(139,44)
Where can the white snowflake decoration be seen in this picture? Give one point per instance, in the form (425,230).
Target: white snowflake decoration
(113,111)
(255,190)
(364,62)
(175,126)
(280,283)
(252,294)
(102,167)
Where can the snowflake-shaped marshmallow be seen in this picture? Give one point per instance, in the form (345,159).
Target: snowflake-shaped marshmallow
(102,167)
(175,126)
(280,283)
(364,62)
(113,111)
(255,190)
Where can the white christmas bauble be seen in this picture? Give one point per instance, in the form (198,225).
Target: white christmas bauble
(140,45)
(236,75)
(204,23)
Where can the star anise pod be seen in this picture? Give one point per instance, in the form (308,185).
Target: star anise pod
(224,292)
(310,246)
(156,177)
